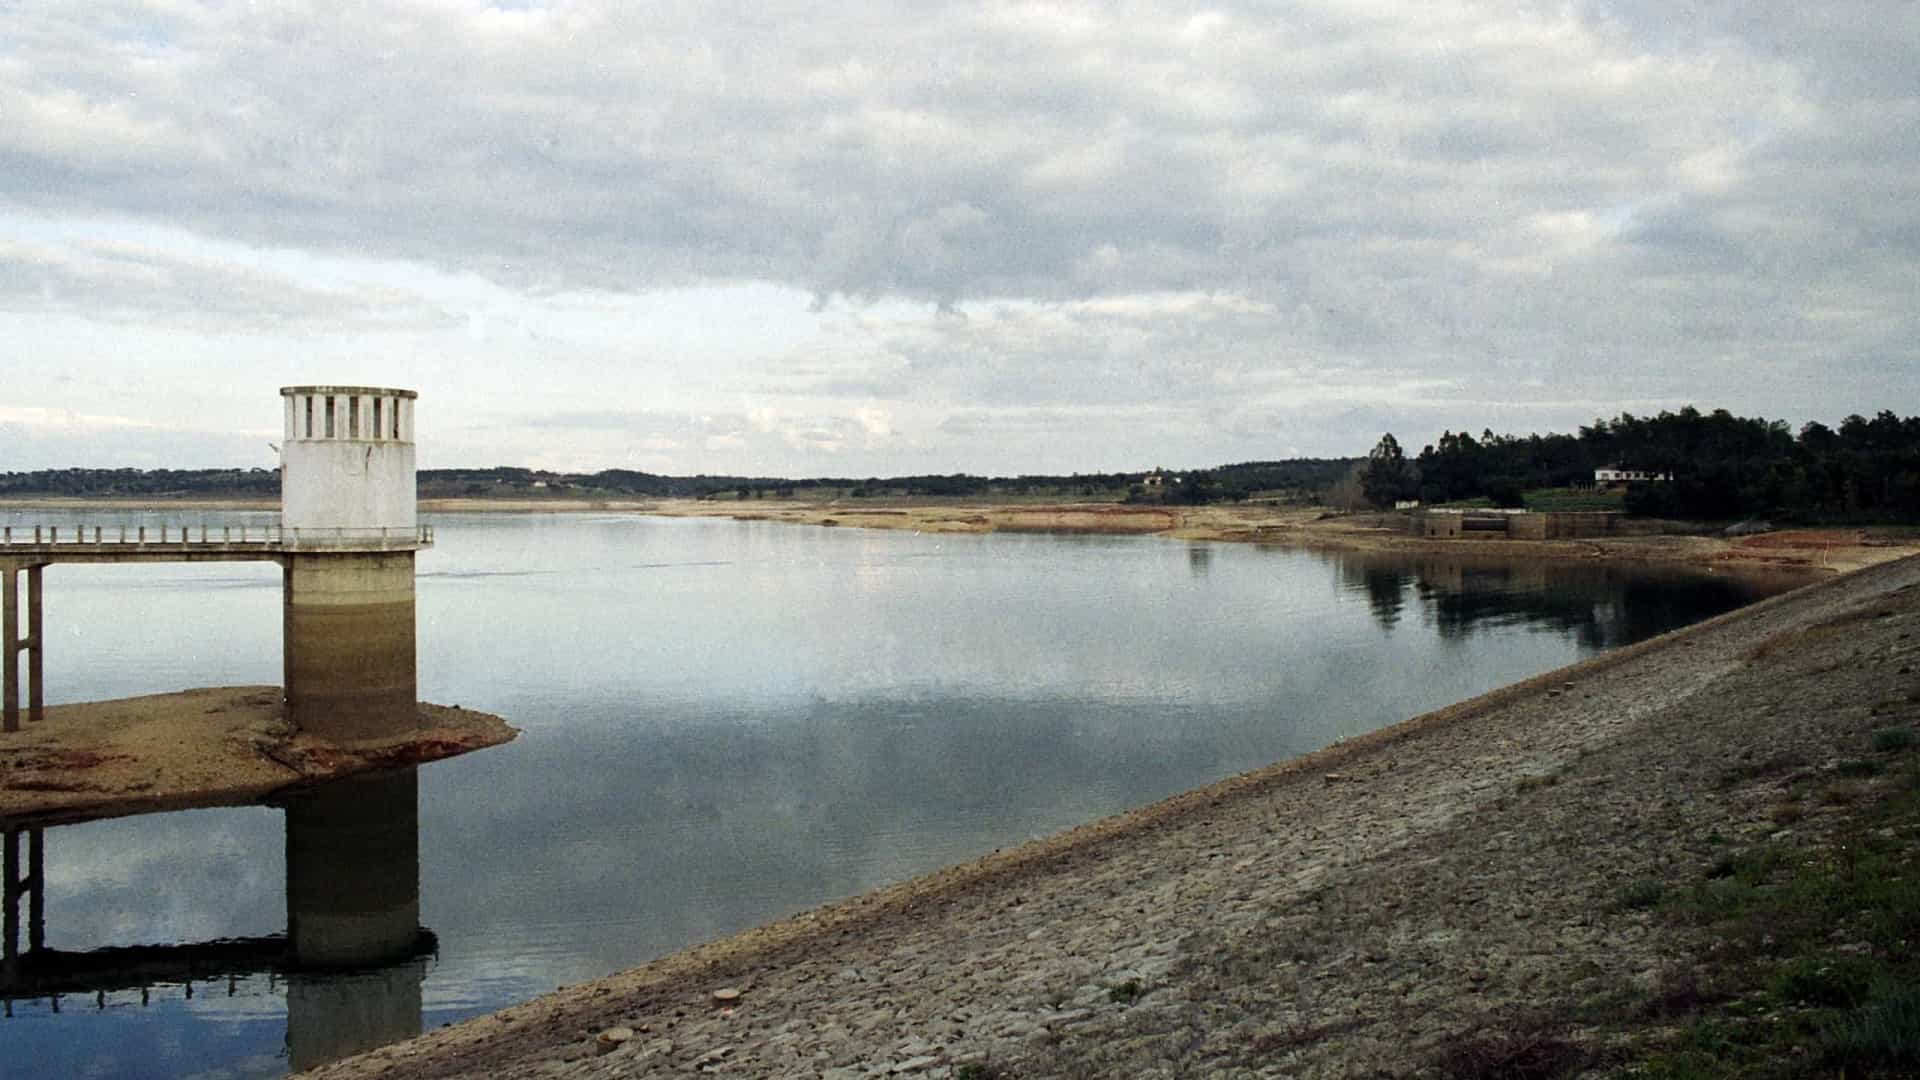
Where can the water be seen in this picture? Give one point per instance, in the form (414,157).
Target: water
(726,722)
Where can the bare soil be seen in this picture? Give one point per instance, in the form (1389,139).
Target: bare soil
(1374,909)
(208,747)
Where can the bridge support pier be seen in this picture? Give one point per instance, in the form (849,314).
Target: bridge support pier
(32,643)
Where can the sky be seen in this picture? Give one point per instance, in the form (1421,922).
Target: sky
(880,239)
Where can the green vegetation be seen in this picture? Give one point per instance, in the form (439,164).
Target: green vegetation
(261,483)
(1722,467)
(1808,967)
(1574,500)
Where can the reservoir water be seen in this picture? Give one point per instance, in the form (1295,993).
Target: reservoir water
(725,722)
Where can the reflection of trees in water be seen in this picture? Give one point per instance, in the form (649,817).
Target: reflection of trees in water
(1602,606)
(1199,559)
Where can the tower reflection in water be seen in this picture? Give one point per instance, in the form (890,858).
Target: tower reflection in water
(352,959)
(355,946)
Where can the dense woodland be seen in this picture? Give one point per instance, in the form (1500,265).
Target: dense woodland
(1722,466)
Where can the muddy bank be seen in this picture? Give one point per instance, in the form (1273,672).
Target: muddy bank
(1353,912)
(221,746)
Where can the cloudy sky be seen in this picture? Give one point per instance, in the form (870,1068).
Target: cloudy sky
(866,238)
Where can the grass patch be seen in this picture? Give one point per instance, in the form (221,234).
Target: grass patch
(1572,500)
(1125,993)
(1885,1034)
(1641,895)
(1808,967)
(1890,740)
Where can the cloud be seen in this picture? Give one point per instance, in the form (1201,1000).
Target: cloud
(1393,206)
(113,281)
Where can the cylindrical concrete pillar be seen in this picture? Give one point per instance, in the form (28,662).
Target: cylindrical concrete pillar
(347,635)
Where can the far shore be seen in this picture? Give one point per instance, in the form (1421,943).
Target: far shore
(1829,549)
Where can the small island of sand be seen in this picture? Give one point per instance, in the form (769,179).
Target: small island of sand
(218,746)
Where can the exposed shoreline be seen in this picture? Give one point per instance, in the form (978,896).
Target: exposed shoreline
(1339,913)
(1831,550)
(220,746)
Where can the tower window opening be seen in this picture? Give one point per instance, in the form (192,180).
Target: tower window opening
(309,416)
(396,418)
(353,418)
(377,426)
(329,416)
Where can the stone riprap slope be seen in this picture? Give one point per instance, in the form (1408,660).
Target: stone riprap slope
(1352,913)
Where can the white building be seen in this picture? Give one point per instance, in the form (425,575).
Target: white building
(1614,475)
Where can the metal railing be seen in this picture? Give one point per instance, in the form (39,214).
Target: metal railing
(212,536)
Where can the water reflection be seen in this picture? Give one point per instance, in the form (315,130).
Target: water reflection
(350,963)
(353,918)
(1199,559)
(1600,605)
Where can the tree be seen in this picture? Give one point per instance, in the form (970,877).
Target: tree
(1387,478)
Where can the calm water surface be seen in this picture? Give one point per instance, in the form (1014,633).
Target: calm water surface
(726,722)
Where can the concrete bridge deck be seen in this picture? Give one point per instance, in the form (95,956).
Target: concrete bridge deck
(42,545)
(33,548)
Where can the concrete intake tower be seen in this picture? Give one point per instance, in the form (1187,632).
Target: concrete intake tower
(348,537)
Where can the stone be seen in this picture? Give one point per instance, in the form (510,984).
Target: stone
(612,1039)
(726,995)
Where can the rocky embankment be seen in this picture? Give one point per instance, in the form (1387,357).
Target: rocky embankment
(1361,911)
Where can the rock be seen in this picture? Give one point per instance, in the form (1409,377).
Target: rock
(726,995)
(612,1039)
(916,1064)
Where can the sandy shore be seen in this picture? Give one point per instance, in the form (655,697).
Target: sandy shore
(211,747)
(1831,549)
(1347,913)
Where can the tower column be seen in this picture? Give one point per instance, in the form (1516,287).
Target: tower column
(348,643)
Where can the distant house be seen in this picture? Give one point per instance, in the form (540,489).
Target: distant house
(1614,476)
(1154,480)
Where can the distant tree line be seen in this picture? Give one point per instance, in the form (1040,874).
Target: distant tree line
(1721,466)
(150,482)
(1297,480)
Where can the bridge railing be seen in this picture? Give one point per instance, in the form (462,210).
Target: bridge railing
(212,536)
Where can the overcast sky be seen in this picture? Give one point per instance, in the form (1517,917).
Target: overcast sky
(864,238)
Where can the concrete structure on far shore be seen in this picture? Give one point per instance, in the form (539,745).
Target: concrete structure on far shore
(345,542)
(1520,525)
